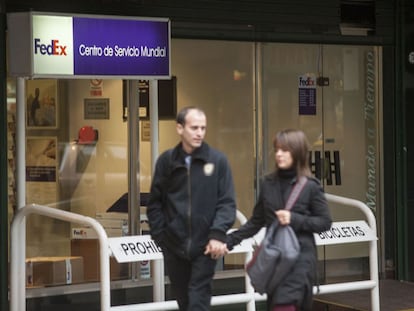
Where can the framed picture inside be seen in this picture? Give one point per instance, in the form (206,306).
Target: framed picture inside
(41,104)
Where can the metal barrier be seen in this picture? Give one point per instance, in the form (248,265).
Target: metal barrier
(18,244)
(18,284)
(373,283)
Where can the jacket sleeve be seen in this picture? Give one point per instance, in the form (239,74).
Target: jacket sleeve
(155,212)
(319,218)
(251,227)
(225,215)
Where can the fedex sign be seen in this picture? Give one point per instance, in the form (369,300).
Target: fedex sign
(307,94)
(51,45)
(307,81)
(88,46)
(54,48)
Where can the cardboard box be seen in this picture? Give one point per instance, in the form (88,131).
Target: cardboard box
(112,220)
(44,271)
(89,250)
(119,216)
(89,233)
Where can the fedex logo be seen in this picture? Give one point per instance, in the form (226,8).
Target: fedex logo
(54,48)
(308,81)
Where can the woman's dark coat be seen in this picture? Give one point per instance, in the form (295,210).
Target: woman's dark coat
(310,214)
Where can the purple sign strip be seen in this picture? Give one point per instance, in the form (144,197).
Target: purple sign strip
(121,47)
(307,101)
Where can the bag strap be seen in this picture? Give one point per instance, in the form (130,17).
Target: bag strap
(293,196)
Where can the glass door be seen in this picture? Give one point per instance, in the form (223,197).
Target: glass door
(329,92)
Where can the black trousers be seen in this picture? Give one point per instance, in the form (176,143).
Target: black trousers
(191,281)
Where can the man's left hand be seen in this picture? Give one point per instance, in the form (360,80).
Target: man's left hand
(216,249)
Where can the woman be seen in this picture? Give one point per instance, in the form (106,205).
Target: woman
(308,215)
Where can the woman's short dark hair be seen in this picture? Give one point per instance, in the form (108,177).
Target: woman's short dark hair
(296,143)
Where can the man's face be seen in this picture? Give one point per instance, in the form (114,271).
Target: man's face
(193,132)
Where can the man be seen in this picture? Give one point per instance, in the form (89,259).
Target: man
(190,208)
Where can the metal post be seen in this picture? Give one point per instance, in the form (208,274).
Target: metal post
(133,166)
(158,276)
(20,235)
(4,219)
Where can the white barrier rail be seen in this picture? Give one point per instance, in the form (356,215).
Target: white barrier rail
(17,280)
(373,283)
(18,244)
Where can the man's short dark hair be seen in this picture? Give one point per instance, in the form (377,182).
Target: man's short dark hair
(183,113)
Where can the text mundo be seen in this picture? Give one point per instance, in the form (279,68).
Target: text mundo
(119,51)
(342,232)
(140,248)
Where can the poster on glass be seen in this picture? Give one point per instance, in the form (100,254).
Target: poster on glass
(41,103)
(41,170)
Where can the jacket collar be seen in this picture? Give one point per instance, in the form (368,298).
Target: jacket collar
(276,195)
(274,178)
(200,153)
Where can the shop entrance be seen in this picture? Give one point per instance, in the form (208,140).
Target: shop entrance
(330,92)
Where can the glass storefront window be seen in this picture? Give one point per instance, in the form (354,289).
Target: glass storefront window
(67,171)
(89,177)
(218,77)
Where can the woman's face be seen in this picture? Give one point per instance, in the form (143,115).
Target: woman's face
(283,159)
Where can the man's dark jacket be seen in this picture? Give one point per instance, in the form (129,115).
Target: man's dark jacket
(310,214)
(189,206)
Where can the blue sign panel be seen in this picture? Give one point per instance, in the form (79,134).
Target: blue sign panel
(119,47)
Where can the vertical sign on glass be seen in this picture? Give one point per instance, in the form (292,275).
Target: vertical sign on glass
(307,94)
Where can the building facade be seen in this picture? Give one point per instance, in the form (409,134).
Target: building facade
(339,70)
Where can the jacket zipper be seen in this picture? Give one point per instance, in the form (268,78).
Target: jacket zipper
(189,208)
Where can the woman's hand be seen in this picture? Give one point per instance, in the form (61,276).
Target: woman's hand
(216,249)
(283,216)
